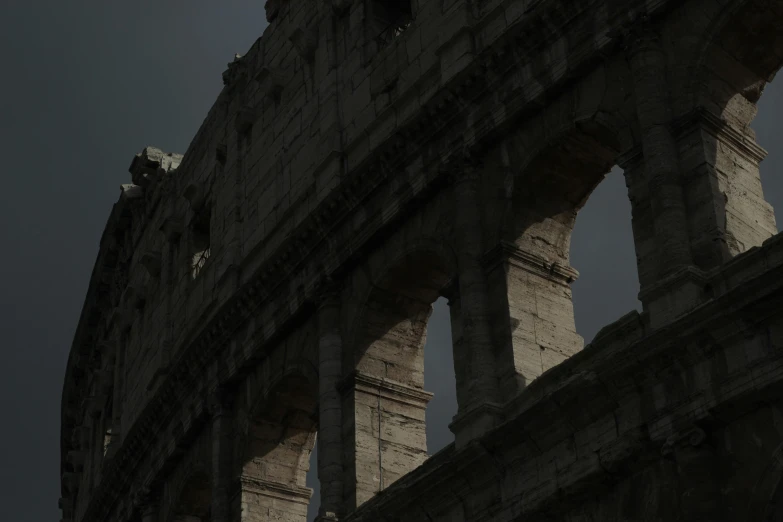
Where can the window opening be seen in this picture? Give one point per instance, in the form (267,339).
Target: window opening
(201,240)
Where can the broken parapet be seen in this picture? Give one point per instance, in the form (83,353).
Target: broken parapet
(151,163)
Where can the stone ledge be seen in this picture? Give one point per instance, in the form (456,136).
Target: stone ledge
(506,252)
(388,389)
(276,490)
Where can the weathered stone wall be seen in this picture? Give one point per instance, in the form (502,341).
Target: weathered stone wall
(682,423)
(276,280)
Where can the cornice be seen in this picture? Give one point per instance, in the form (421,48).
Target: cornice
(385,388)
(506,252)
(702,118)
(276,490)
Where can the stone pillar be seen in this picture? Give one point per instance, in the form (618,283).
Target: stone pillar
(262,500)
(661,160)
(384,402)
(642,219)
(677,286)
(727,212)
(386,437)
(480,411)
(533,315)
(330,447)
(461,366)
(222,456)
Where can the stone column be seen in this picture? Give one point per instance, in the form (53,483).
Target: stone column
(678,285)
(222,455)
(479,412)
(649,69)
(533,315)
(330,447)
(727,212)
(642,219)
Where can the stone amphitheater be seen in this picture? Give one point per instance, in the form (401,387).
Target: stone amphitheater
(366,157)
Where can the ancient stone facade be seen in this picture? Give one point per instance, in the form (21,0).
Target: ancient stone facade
(366,157)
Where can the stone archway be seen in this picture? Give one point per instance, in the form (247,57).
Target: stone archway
(384,416)
(555,161)
(740,55)
(275,453)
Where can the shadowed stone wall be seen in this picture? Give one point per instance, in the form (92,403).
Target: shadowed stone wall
(273,284)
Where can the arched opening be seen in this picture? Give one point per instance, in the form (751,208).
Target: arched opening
(195,499)
(768,128)
(439,377)
(602,251)
(728,212)
(280,438)
(549,192)
(386,402)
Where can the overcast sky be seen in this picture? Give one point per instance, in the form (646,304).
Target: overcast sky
(88,84)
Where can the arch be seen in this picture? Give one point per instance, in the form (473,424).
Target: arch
(425,286)
(744,42)
(385,419)
(554,162)
(553,187)
(740,53)
(275,449)
(558,158)
(401,297)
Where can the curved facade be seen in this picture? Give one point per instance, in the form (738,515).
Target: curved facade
(366,157)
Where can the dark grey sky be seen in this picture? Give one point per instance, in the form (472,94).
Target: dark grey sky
(88,84)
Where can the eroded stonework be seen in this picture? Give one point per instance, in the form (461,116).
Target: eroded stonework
(366,157)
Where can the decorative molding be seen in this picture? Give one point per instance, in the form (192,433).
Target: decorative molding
(276,490)
(721,129)
(489,409)
(387,388)
(688,274)
(506,252)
